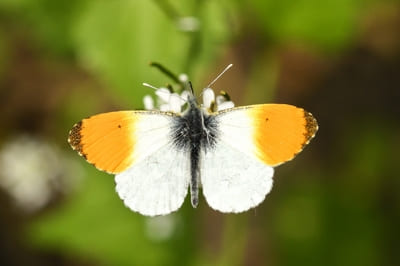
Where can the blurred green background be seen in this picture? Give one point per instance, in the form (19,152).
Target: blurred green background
(337,203)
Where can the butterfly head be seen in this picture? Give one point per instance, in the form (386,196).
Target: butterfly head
(169,101)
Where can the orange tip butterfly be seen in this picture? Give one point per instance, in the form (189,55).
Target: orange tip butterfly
(230,152)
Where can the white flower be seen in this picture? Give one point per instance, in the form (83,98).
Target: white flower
(175,103)
(208,98)
(188,24)
(212,103)
(163,95)
(183,78)
(164,107)
(225,105)
(33,171)
(168,101)
(161,228)
(148,102)
(185,96)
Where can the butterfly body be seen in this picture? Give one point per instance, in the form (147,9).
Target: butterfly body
(192,132)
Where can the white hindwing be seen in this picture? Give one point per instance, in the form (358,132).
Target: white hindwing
(157,183)
(232,177)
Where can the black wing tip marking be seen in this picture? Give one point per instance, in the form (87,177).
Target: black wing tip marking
(75,139)
(311,127)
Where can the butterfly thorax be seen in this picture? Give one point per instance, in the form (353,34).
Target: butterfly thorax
(195,129)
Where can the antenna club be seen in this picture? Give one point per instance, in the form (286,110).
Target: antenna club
(149,86)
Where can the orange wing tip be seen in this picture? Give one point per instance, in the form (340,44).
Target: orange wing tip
(281,132)
(105,140)
(75,141)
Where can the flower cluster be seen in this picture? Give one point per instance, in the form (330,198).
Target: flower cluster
(169,101)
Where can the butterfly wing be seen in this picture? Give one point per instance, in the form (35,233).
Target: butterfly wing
(233,181)
(236,172)
(158,184)
(152,176)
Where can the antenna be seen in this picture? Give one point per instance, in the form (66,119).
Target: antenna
(226,69)
(149,86)
(191,88)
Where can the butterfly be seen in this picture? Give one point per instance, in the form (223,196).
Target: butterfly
(157,156)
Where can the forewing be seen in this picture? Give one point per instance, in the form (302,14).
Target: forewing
(114,141)
(275,133)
